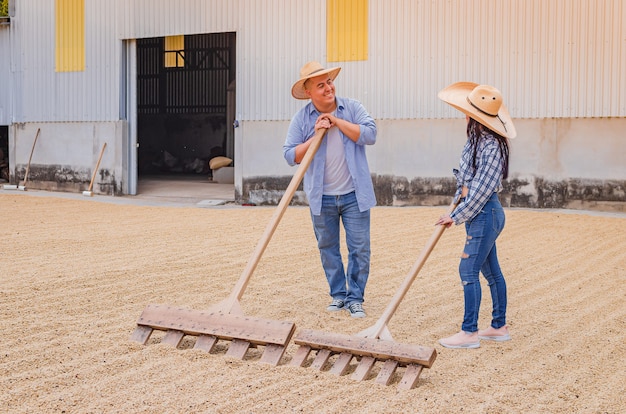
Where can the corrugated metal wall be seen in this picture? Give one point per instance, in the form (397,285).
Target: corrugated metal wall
(46,95)
(557,58)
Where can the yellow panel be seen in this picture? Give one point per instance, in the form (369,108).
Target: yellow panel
(346,30)
(70,35)
(174,51)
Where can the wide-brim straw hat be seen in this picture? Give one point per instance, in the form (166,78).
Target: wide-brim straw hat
(311,70)
(482,103)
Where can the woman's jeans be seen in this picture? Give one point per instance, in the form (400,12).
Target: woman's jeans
(480,255)
(347,286)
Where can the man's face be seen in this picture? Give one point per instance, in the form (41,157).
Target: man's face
(321,90)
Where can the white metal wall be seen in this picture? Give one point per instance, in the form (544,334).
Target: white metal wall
(550,58)
(557,58)
(47,96)
(274,39)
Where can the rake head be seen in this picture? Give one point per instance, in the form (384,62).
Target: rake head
(210,327)
(367,350)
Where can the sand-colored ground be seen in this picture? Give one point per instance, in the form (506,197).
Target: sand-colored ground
(76,274)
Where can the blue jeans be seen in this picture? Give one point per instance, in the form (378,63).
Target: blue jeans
(480,255)
(347,285)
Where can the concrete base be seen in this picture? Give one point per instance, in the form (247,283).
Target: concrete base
(224,175)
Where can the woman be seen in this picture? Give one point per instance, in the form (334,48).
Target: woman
(484,163)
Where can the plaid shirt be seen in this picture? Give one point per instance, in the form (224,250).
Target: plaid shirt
(481,181)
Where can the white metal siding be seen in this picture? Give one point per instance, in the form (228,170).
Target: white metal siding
(557,58)
(274,38)
(45,95)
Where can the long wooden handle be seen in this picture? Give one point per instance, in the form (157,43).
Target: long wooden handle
(241,285)
(381,325)
(95,171)
(31,156)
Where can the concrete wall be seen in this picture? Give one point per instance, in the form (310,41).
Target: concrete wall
(555,163)
(66,153)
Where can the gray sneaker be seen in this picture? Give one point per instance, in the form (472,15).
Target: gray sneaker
(335,305)
(356,310)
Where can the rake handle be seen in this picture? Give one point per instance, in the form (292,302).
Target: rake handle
(95,171)
(381,324)
(241,285)
(31,156)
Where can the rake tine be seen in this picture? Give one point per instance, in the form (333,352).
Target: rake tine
(273,353)
(364,368)
(300,356)
(386,372)
(173,338)
(410,377)
(141,334)
(205,343)
(238,348)
(321,358)
(341,364)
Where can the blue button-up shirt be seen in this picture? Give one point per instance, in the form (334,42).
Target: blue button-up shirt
(481,181)
(302,128)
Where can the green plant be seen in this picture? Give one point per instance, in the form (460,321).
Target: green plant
(4,7)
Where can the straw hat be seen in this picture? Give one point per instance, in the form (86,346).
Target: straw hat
(482,103)
(310,70)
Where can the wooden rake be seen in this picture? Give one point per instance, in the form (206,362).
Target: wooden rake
(89,193)
(374,343)
(32,150)
(225,320)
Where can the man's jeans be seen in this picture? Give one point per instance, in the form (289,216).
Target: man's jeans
(480,255)
(347,286)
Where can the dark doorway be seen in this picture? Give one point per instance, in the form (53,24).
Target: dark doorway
(4,154)
(185,98)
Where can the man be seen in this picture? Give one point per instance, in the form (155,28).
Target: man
(338,184)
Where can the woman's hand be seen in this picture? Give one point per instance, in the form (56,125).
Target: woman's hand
(444,220)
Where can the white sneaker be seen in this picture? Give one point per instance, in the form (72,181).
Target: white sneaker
(356,310)
(461,340)
(335,305)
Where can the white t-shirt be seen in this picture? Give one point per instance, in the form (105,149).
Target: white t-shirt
(337,179)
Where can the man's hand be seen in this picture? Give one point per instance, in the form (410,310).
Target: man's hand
(324,122)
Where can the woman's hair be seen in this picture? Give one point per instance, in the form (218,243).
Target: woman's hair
(475,130)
